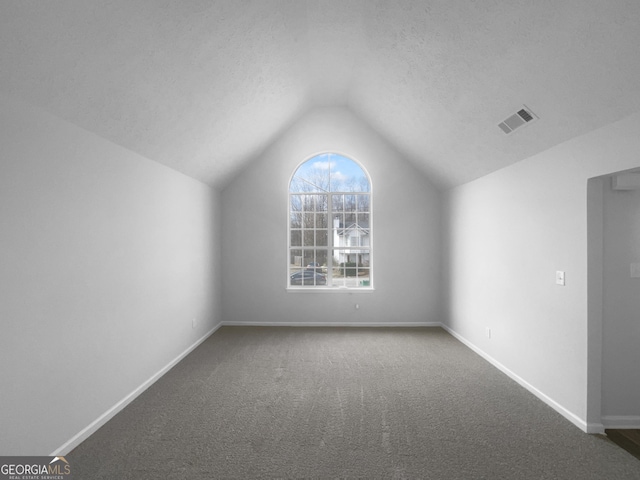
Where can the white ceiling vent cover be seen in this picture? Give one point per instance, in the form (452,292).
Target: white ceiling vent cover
(522,117)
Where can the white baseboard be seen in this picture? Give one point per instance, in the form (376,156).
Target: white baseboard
(573,418)
(621,421)
(332,324)
(109,414)
(595,428)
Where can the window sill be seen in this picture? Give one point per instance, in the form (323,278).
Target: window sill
(329,290)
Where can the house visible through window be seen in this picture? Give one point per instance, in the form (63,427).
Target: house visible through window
(329,224)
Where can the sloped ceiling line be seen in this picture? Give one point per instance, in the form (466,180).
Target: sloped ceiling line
(204,87)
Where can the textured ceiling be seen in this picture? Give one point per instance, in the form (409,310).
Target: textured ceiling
(204,86)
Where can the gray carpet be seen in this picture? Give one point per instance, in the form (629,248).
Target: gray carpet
(342,403)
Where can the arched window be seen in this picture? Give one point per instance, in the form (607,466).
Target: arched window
(330,225)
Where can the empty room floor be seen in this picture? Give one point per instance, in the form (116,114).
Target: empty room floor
(280,402)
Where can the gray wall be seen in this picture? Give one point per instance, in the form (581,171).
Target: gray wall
(621,302)
(507,234)
(406,237)
(105,259)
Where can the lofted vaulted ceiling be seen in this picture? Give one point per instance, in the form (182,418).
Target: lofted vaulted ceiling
(205,86)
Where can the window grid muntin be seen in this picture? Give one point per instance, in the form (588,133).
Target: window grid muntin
(346,210)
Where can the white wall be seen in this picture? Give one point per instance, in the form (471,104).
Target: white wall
(507,234)
(406,237)
(621,304)
(105,258)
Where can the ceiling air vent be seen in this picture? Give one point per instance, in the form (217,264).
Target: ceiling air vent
(520,118)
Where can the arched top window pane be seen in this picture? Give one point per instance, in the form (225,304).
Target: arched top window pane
(329,172)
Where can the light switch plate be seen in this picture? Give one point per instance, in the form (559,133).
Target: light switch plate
(560,277)
(635,270)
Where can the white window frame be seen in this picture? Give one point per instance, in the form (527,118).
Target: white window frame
(331,248)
